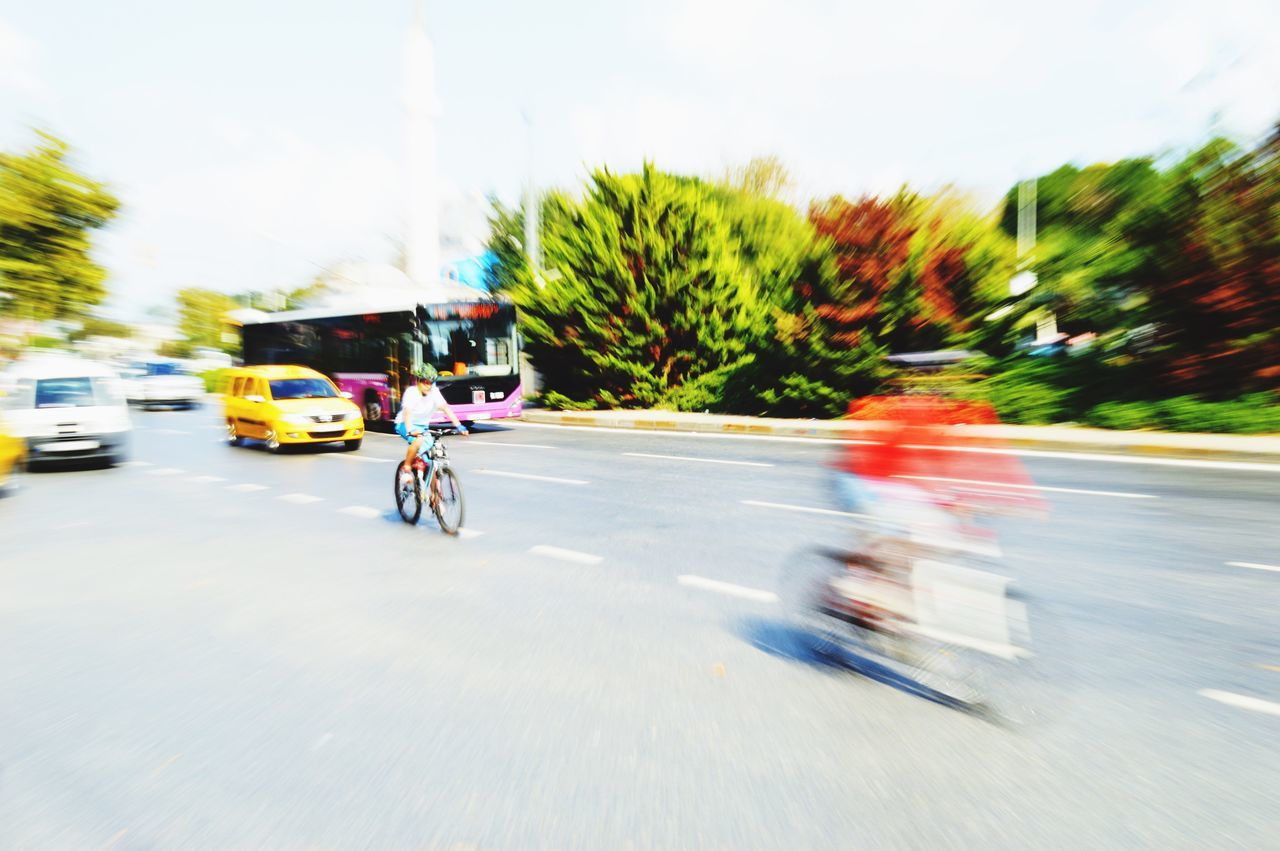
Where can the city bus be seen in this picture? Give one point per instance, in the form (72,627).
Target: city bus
(369,354)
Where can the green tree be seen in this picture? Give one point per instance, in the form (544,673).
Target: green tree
(201,319)
(48,212)
(645,300)
(98,326)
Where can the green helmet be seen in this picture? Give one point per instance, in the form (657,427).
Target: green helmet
(425,372)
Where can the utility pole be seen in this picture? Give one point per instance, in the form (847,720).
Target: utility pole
(532,248)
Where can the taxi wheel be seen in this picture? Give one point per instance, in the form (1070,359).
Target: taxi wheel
(273,441)
(233,437)
(352,445)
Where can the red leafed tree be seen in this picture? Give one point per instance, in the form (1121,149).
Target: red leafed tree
(904,273)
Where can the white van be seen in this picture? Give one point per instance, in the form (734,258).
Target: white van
(66,409)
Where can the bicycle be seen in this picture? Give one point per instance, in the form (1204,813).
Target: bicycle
(951,633)
(431,482)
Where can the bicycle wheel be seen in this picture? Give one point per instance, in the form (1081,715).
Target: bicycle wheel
(804,589)
(408,500)
(448,504)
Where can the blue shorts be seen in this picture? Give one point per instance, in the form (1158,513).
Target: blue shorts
(403,431)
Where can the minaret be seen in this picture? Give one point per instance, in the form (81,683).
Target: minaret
(422,242)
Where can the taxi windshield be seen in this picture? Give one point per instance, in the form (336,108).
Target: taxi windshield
(302,388)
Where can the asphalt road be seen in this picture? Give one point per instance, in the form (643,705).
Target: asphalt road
(222,648)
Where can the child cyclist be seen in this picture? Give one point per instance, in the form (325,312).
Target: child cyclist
(418,406)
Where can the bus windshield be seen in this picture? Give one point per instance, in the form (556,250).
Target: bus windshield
(469,346)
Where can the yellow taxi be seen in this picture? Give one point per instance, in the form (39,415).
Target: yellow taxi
(287,405)
(12,451)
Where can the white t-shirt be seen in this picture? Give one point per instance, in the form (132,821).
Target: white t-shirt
(416,409)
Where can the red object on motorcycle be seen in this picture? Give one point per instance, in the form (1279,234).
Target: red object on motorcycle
(923,440)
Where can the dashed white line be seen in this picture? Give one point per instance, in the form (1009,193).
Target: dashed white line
(1241,701)
(1243,466)
(300,498)
(134,464)
(368,459)
(805,508)
(565,555)
(469,533)
(727,588)
(701,460)
(206,479)
(360,511)
(520,445)
(165,471)
(247,488)
(533,477)
(168,431)
(1254,565)
(1046,489)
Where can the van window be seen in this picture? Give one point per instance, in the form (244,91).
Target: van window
(65,393)
(237,386)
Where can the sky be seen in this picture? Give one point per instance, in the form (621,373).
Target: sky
(255,144)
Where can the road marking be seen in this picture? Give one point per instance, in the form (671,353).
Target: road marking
(368,459)
(806,508)
(135,464)
(218,427)
(703,460)
(206,479)
(565,555)
(247,488)
(300,498)
(469,533)
(1044,488)
(1240,701)
(1253,565)
(360,511)
(167,431)
(728,588)
(520,445)
(533,477)
(1245,466)
(165,471)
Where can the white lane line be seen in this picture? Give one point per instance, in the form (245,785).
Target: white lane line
(135,464)
(702,460)
(565,555)
(368,459)
(204,480)
(483,442)
(728,588)
(247,488)
(806,508)
(1046,489)
(165,471)
(218,427)
(469,533)
(1254,565)
(1241,701)
(168,431)
(300,498)
(1244,466)
(360,511)
(533,477)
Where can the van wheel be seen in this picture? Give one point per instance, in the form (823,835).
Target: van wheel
(273,441)
(233,437)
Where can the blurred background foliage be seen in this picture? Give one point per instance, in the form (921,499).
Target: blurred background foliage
(719,294)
